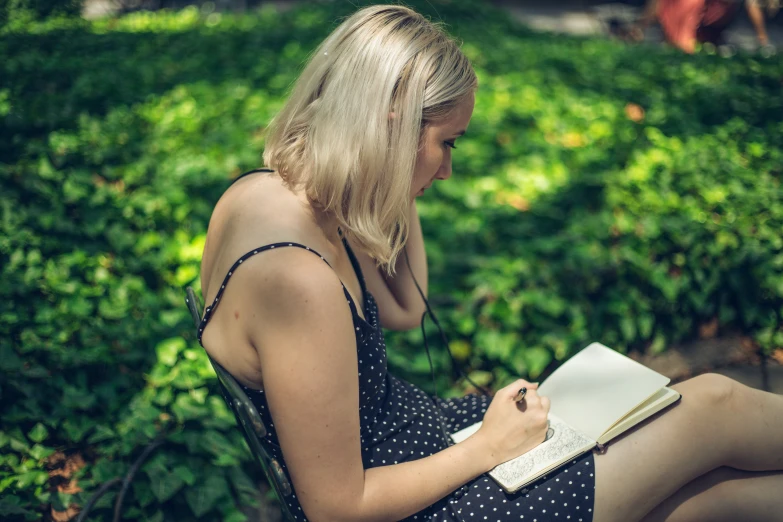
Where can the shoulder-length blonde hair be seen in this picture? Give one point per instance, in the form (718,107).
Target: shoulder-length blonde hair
(350,131)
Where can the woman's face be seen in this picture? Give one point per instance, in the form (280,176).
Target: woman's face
(434,157)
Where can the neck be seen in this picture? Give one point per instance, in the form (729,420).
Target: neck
(327,222)
(324,220)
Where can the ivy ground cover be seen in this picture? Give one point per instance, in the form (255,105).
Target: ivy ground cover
(628,195)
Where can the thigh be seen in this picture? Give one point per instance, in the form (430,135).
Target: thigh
(649,463)
(725,495)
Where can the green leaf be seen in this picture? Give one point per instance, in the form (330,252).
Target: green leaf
(164,397)
(12,505)
(217,444)
(60,501)
(537,360)
(244,486)
(480,377)
(169,349)
(646,323)
(76,427)
(101,433)
(164,485)
(226,460)
(25,480)
(185,474)
(235,516)
(142,493)
(39,452)
(185,408)
(658,345)
(202,497)
(38,433)
(628,327)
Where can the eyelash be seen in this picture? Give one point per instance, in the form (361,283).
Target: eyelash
(450,144)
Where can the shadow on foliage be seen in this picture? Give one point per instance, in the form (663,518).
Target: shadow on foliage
(603,192)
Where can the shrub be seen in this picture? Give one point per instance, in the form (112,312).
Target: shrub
(603,192)
(19,12)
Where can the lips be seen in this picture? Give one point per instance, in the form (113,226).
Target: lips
(421,192)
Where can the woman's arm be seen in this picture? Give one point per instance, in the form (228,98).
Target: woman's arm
(298,320)
(399,304)
(294,312)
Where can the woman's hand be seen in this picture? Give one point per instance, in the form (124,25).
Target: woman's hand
(510,428)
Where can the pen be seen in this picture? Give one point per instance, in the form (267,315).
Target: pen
(520,395)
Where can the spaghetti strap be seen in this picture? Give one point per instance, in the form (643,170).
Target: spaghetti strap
(354,263)
(211,308)
(249,172)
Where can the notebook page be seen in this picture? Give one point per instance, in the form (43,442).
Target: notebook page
(597,387)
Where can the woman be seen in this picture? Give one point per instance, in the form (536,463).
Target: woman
(686,22)
(304,263)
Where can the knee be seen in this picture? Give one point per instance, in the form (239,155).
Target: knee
(713,389)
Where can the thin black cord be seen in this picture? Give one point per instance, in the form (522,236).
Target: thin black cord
(96,497)
(429,358)
(126,480)
(443,337)
(132,473)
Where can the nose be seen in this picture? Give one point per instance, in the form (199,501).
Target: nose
(444,172)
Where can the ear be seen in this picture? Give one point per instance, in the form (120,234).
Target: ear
(392,115)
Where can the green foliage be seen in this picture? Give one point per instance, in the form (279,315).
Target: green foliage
(22,12)
(572,216)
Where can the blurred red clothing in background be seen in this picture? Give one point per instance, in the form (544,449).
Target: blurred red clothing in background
(685,22)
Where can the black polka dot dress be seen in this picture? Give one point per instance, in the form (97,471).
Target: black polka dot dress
(400,423)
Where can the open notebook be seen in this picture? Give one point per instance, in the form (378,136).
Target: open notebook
(595,396)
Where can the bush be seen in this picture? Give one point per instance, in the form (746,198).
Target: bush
(20,12)
(611,193)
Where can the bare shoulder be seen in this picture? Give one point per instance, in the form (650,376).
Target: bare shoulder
(266,289)
(296,307)
(255,211)
(291,276)
(276,304)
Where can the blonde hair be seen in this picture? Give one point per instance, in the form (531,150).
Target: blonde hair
(350,131)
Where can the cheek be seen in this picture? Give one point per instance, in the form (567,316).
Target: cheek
(429,161)
(418,171)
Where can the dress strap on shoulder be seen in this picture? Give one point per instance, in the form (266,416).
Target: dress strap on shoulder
(211,308)
(249,172)
(354,262)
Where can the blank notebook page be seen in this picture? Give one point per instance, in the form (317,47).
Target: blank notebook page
(597,387)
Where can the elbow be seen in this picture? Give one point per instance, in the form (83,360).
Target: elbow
(404,319)
(410,324)
(334,514)
(335,506)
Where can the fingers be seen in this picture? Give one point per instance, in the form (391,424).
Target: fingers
(532,401)
(512,389)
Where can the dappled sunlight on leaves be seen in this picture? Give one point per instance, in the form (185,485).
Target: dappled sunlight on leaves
(629,195)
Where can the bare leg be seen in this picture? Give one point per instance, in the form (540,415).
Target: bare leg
(757,19)
(719,422)
(725,494)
